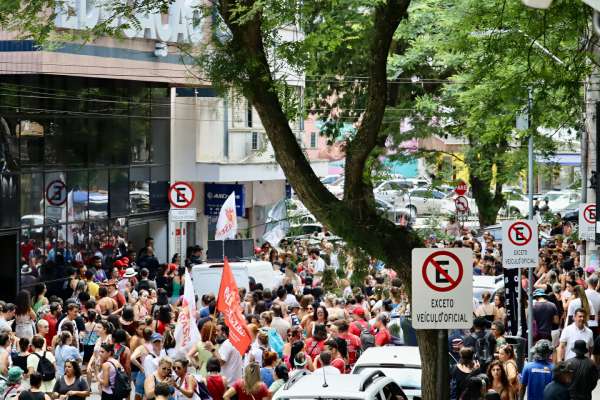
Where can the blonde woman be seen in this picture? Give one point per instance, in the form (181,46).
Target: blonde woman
(250,387)
(579,300)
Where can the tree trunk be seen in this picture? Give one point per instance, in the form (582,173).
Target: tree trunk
(431,380)
(488,203)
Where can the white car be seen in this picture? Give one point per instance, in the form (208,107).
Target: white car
(518,205)
(559,199)
(394,213)
(393,190)
(401,363)
(423,201)
(369,386)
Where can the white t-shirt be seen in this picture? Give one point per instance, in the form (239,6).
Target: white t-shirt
(150,363)
(75,330)
(232,369)
(574,305)
(571,334)
(319,264)
(594,300)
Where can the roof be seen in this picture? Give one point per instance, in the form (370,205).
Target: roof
(379,356)
(343,386)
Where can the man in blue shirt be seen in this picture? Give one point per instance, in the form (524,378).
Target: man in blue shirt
(537,373)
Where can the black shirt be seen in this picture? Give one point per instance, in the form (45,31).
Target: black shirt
(556,391)
(585,378)
(29,395)
(79,385)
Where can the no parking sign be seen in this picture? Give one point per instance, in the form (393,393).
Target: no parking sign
(587,221)
(442,288)
(519,244)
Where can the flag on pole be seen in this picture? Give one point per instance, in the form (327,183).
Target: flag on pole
(228,302)
(186,331)
(227,222)
(277,223)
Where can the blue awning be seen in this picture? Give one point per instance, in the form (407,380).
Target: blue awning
(573,160)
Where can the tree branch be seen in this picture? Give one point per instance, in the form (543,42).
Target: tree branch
(387,17)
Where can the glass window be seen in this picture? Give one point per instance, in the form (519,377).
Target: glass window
(9,144)
(31,138)
(141,141)
(9,206)
(32,199)
(75,141)
(139,189)
(98,194)
(118,192)
(160,126)
(159,188)
(55,197)
(77,195)
(78,239)
(53,146)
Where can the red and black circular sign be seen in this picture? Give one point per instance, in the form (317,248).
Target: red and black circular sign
(589,214)
(462,205)
(56,193)
(519,233)
(447,269)
(181,195)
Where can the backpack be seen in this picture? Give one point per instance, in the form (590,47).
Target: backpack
(45,368)
(367,339)
(122,385)
(202,391)
(482,349)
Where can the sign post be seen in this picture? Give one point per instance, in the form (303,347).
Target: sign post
(442,288)
(587,221)
(181,196)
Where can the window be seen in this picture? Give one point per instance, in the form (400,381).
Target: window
(255,141)
(313,140)
(98,194)
(249,115)
(9,206)
(118,192)
(77,195)
(139,189)
(159,188)
(32,199)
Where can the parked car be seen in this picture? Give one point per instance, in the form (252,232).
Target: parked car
(394,213)
(517,204)
(401,363)
(369,386)
(559,199)
(393,190)
(423,201)
(449,205)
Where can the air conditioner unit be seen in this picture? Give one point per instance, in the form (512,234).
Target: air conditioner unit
(542,4)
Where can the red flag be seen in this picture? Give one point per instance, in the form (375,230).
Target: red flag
(228,303)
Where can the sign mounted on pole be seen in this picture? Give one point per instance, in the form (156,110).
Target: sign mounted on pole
(56,193)
(587,221)
(461,188)
(462,205)
(181,195)
(519,244)
(442,288)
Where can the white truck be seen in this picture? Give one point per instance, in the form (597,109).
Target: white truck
(207,277)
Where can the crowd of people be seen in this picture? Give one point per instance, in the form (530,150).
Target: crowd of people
(108,328)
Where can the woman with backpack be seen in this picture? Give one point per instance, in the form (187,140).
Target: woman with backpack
(104,331)
(42,362)
(316,343)
(465,368)
(506,355)
(185,384)
(107,375)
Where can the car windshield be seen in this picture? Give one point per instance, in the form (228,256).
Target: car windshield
(553,196)
(329,180)
(407,378)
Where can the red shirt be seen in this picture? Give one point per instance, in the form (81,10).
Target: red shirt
(262,392)
(52,324)
(357,327)
(340,364)
(353,345)
(382,337)
(313,347)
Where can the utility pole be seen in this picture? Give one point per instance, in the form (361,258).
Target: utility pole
(589,145)
(530,190)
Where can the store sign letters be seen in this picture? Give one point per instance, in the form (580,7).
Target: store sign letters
(182,24)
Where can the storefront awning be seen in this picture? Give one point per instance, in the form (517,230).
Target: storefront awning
(572,160)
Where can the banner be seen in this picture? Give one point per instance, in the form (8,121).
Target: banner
(186,331)
(215,195)
(277,223)
(228,302)
(227,222)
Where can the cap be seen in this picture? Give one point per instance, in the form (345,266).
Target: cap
(129,273)
(359,311)
(14,374)
(539,293)
(156,337)
(563,367)
(580,347)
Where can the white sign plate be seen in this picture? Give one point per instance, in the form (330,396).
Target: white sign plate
(519,244)
(54,212)
(442,288)
(183,214)
(587,221)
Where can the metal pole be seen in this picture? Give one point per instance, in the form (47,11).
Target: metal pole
(443,379)
(182,246)
(584,183)
(530,189)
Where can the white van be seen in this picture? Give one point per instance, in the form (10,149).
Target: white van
(207,277)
